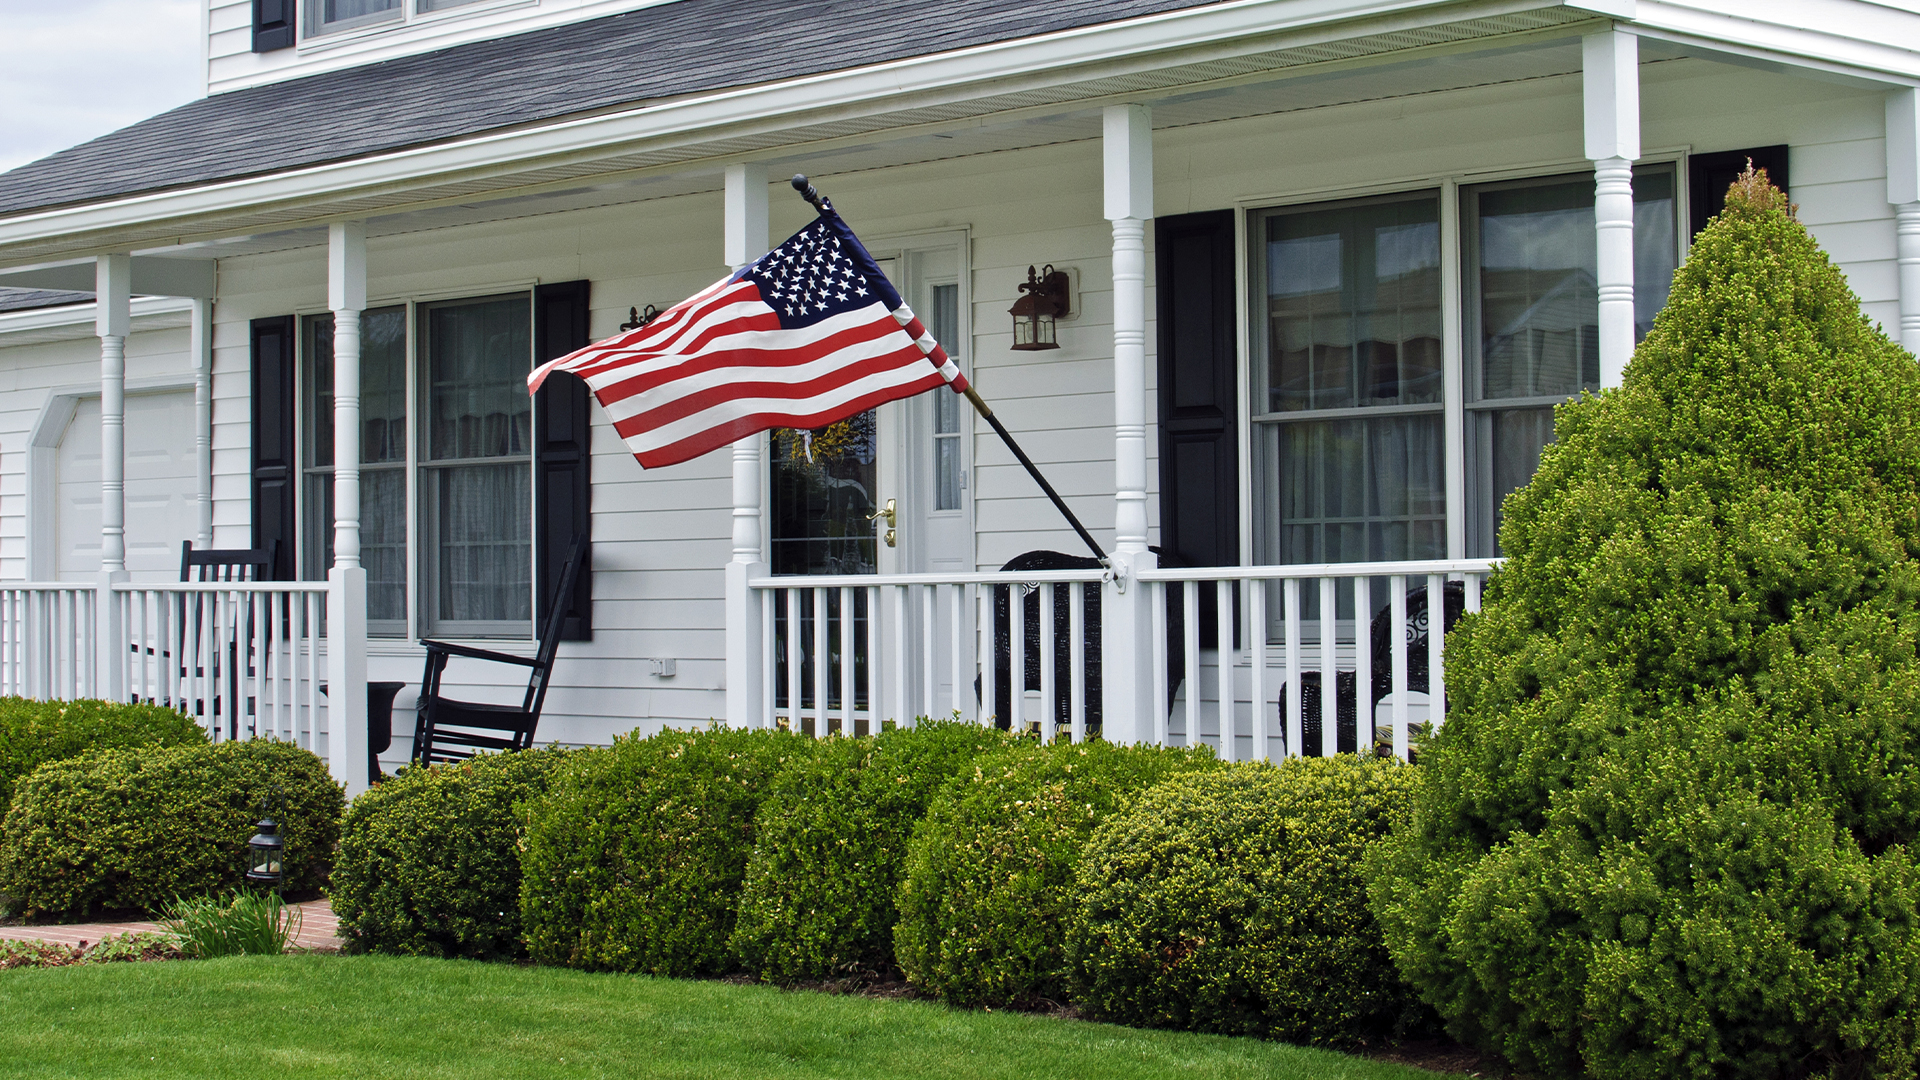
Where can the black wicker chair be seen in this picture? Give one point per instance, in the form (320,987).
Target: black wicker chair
(1346,708)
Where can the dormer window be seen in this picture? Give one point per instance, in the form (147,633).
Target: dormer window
(330,16)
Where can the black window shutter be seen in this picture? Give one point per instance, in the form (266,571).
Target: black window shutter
(562,482)
(275,472)
(272,25)
(1199,401)
(1710,175)
(1198,397)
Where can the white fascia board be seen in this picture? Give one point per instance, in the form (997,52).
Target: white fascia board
(77,320)
(1869,41)
(1215,31)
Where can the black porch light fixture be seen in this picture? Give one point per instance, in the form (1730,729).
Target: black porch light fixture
(637,318)
(266,853)
(1043,299)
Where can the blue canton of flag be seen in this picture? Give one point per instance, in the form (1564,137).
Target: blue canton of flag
(820,272)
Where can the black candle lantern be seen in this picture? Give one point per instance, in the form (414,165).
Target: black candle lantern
(266,863)
(1043,300)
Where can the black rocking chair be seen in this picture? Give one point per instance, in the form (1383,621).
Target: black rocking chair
(448,730)
(1346,706)
(217,565)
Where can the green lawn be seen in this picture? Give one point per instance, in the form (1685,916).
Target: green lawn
(299,1016)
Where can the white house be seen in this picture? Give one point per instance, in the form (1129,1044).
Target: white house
(1329,264)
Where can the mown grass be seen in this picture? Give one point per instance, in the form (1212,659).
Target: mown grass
(306,1016)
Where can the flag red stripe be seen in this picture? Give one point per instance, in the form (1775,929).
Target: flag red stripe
(902,361)
(713,438)
(666,372)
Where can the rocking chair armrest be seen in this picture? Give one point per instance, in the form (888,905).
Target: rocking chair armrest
(450,649)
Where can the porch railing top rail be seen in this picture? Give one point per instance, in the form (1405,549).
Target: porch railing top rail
(46,586)
(861,581)
(1320,570)
(216,586)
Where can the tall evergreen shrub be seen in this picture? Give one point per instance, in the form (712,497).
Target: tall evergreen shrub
(832,837)
(1667,828)
(635,855)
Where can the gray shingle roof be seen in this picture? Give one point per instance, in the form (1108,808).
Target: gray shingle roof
(12,299)
(677,48)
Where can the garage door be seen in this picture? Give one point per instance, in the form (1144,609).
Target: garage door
(161,490)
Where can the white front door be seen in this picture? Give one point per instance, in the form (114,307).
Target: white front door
(927,466)
(161,491)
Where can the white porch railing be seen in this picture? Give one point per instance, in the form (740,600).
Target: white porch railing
(48,634)
(839,650)
(1227,645)
(245,659)
(1225,680)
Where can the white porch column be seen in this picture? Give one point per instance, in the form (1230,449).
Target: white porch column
(1903,191)
(200,347)
(1611,86)
(347,581)
(113,317)
(1126,611)
(745,239)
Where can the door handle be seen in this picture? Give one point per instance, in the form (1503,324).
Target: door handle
(890,512)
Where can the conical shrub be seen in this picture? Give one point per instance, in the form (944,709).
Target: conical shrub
(1666,829)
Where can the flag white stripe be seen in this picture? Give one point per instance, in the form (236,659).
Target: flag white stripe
(670,394)
(732,409)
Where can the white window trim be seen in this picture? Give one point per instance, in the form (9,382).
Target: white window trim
(315,38)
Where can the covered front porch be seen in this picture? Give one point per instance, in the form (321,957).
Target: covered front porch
(1204,623)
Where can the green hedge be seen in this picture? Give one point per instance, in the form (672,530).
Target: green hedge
(989,879)
(1669,827)
(33,733)
(120,829)
(1231,901)
(429,860)
(820,890)
(636,853)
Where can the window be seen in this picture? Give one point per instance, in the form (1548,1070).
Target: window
(383,461)
(1533,318)
(329,16)
(1348,429)
(943,322)
(1349,422)
(460,482)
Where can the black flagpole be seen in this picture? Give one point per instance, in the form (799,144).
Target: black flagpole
(812,195)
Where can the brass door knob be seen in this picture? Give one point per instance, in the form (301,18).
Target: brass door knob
(890,512)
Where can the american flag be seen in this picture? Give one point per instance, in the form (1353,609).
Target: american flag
(809,334)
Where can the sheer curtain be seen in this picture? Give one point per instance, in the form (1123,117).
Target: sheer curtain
(1350,444)
(478,469)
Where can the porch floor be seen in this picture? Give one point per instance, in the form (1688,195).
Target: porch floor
(319,929)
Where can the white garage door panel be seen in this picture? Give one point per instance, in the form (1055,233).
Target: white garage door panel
(161,490)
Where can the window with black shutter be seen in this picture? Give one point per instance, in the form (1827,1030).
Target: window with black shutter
(563,422)
(1710,175)
(274,474)
(272,25)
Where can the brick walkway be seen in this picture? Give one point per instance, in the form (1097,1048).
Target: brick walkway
(318,929)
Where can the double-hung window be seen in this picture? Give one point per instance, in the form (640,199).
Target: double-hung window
(333,16)
(1350,422)
(446,474)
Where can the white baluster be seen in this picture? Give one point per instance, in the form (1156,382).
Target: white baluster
(1077,660)
(1223,627)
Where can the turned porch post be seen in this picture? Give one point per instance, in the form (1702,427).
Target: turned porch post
(113,317)
(1611,88)
(1903,191)
(1126,666)
(745,239)
(347,580)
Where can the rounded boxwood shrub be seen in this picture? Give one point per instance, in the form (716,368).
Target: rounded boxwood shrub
(635,855)
(1231,901)
(820,890)
(35,732)
(989,879)
(429,860)
(1667,829)
(138,828)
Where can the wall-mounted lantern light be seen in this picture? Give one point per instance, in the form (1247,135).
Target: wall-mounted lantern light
(1043,299)
(637,318)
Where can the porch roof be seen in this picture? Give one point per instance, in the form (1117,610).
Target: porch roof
(653,54)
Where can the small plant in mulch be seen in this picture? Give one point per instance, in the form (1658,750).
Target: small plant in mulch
(116,949)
